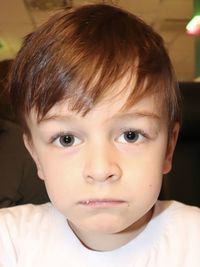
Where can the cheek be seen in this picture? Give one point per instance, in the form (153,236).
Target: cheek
(60,177)
(58,165)
(145,182)
(145,169)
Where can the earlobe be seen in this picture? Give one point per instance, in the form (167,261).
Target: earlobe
(170,149)
(29,146)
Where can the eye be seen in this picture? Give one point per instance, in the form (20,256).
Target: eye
(131,137)
(66,140)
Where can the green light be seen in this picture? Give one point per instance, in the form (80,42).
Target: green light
(1,45)
(193,27)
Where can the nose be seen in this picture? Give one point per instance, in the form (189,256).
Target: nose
(101,164)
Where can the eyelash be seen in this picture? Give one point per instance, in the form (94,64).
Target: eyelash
(138,133)
(60,135)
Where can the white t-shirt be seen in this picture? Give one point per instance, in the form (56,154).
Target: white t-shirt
(39,236)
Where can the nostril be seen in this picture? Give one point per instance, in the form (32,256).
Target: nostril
(89,179)
(97,177)
(111,176)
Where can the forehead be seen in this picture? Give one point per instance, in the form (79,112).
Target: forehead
(111,108)
(119,99)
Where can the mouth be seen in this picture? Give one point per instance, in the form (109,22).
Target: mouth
(101,203)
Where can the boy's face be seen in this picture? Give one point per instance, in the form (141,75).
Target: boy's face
(103,171)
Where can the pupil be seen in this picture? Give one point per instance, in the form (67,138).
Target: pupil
(131,136)
(67,140)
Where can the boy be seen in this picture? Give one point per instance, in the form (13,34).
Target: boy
(97,99)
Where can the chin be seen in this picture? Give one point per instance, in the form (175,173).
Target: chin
(104,224)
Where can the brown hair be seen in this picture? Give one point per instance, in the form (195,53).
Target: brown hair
(79,54)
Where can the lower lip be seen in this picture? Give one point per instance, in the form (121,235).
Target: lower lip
(101,203)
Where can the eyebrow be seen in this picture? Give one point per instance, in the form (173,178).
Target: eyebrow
(138,114)
(56,118)
(117,117)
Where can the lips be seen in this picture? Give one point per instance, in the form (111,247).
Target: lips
(101,203)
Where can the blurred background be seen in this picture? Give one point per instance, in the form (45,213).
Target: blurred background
(168,17)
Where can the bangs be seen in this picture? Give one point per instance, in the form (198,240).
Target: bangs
(79,55)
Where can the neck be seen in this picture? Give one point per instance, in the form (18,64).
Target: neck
(107,242)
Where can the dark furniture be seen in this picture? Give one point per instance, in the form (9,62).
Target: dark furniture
(183,182)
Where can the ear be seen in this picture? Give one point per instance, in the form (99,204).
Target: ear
(170,149)
(30,147)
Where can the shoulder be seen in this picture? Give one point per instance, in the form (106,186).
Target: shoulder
(26,209)
(17,227)
(28,234)
(180,222)
(177,210)
(19,217)
(175,229)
